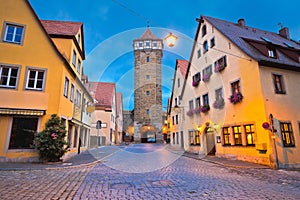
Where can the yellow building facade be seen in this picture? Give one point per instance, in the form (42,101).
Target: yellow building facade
(37,80)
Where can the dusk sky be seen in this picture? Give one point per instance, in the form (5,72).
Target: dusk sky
(110,26)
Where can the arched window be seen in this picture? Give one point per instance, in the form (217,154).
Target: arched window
(203,30)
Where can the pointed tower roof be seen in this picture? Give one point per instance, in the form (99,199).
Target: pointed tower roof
(148,35)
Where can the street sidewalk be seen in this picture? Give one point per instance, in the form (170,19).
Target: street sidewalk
(226,162)
(94,156)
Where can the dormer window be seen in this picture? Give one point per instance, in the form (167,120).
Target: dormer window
(204,31)
(272,52)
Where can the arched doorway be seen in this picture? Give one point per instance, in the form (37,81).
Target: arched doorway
(148,134)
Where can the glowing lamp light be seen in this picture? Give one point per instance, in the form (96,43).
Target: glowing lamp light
(171,40)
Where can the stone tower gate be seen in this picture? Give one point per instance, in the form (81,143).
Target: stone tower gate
(147,87)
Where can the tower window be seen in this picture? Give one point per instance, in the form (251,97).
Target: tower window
(204,30)
(147,93)
(147,111)
(147,59)
(147,76)
(205,47)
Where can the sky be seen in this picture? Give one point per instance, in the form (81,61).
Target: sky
(110,26)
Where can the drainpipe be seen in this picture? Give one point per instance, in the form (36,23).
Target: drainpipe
(273,131)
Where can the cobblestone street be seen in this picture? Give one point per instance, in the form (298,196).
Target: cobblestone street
(184,178)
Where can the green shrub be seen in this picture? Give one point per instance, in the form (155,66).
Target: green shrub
(51,142)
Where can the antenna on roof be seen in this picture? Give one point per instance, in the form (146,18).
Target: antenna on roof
(280,25)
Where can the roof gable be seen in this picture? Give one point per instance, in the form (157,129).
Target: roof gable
(241,35)
(183,65)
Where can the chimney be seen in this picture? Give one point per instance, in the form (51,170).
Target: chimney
(284,32)
(241,23)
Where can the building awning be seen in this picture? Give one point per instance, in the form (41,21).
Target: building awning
(10,111)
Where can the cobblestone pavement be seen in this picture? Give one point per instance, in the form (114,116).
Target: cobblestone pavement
(184,178)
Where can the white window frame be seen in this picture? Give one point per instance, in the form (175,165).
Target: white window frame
(78,65)
(72,93)
(74,58)
(9,75)
(36,70)
(66,87)
(15,26)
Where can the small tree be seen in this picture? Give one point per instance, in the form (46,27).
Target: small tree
(51,142)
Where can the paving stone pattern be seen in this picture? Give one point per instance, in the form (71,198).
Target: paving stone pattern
(185,178)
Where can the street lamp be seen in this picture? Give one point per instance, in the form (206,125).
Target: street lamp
(171,40)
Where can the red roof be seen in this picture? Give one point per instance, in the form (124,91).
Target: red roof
(61,27)
(102,92)
(148,35)
(183,65)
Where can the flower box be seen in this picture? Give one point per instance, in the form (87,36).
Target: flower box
(189,113)
(205,77)
(236,97)
(196,111)
(219,103)
(195,83)
(204,108)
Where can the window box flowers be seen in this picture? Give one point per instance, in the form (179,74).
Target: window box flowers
(204,108)
(219,103)
(190,113)
(196,79)
(236,97)
(205,77)
(196,111)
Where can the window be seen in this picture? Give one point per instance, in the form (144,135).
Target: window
(205,46)
(226,136)
(84,105)
(178,82)
(78,66)
(147,111)
(14,33)
(176,102)
(287,134)
(212,42)
(204,30)
(237,135)
(173,121)
(176,119)
(147,93)
(66,87)
(35,79)
(74,58)
(196,79)
(205,99)
(272,52)
(147,77)
(22,132)
(147,59)
(199,53)
(78,39)
(219,94)
(191,105)
(72,93)
(140,44)
(198,102)
(278,84)
(147,44)
(235,87)
(78,98)
(220,64)
(206,73)
(194,137)
(8,76)
(250,134)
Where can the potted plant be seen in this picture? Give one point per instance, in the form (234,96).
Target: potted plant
(205,77)
(236,97)
(189,113)
(219,103)
(205,108)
